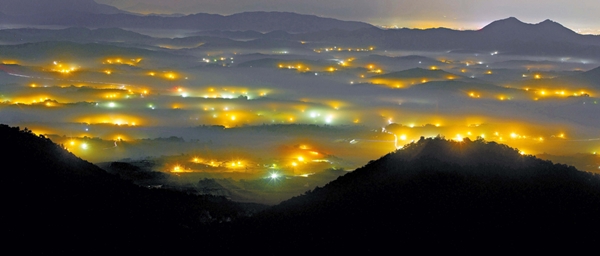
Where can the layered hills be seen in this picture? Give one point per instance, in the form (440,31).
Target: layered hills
(433,192)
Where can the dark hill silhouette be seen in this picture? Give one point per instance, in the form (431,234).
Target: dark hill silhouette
(418,73)
(512,27)
(56,202)
(585,80)
(509,36)
(434,194)
(592,76)
(65,51)
(443,195)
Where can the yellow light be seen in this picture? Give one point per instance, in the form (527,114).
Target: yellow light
(301,159)
(294,164)
(403,137)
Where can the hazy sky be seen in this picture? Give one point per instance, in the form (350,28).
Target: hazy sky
(579,15)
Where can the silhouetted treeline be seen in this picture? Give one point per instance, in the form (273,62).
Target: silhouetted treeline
(56,202)
(433,195)
(440,194)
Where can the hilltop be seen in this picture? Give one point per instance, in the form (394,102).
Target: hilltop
(434,192)
(445,194)
(62,203)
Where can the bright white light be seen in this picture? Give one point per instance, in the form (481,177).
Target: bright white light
(274,176)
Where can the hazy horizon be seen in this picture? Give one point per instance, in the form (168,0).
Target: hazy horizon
(465,14)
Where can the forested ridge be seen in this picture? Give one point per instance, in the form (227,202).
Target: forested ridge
(434,194)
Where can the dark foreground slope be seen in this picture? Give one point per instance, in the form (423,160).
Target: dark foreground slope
(432,195)
(436,195)
(56,202)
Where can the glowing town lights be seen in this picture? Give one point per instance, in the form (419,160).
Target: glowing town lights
(72,143)
(513,135)
(522,153)
(433,68)
(537,76)
(84,146)
(458,138)
(177,169)
(108,72)
(274,176)
(112,105)
(489,72)
(233,118)
(301,159)
(294,164)
(402,137)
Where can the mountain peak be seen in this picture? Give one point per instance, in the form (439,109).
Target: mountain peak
(515,27)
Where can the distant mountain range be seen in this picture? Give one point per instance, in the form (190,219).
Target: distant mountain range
(45,7)
(507,37)
(87,13)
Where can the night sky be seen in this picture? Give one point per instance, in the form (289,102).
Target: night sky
(579,15)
